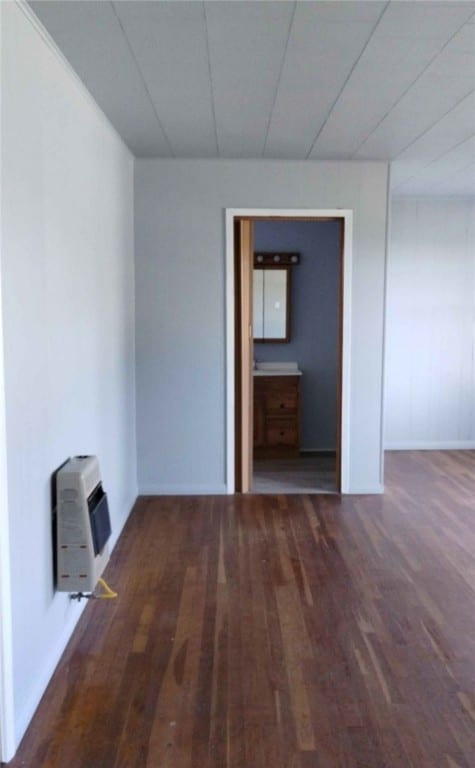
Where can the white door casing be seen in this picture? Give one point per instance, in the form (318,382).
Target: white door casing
(306,213)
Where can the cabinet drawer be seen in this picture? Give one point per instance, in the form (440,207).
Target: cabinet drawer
(281,400)
(281,433)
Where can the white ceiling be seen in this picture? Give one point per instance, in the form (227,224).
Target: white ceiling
(332,80)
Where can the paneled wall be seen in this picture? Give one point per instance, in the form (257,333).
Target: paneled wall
(68,321)
(430,346)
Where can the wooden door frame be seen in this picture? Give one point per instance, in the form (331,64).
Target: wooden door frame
(344,379)
(243,390)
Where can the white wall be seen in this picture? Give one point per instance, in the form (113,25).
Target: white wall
(68,322)
(7,736)
(180,300)
(430,368)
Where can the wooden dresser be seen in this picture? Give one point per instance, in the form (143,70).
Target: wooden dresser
(276,416)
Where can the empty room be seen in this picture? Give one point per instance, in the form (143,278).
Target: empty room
(237,384)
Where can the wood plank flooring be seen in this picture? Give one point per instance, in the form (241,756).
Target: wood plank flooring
(279,632)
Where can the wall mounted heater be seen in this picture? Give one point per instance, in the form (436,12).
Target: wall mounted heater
(83,525)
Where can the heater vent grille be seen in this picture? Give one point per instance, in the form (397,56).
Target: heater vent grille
(99,517)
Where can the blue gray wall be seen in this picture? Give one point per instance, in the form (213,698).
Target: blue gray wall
(181,307)
(314,320)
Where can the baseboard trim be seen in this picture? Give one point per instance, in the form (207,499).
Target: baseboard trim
(221,490)
(326,451)
(152,489)
(47,673)
(443,445)
(369,490)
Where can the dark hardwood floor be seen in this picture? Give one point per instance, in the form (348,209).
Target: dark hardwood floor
(279,632)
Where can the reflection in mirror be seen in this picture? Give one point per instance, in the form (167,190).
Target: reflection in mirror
(258,307)
(271,295)
(271,309)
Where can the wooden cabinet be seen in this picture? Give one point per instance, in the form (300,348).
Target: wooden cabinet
(276,416)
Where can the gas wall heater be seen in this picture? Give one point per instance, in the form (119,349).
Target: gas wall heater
(83,525)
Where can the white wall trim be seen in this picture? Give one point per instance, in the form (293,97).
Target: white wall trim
(304,213)
(442,445)
(48,40)
(370,490)
(154,489)
(385,305)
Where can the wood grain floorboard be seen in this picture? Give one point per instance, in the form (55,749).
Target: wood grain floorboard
(280,632)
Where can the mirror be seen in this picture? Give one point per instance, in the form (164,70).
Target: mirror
(271,296)
(271,304)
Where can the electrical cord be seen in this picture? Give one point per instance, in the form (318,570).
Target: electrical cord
(107,594)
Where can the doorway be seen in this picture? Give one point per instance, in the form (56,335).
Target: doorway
(254,463)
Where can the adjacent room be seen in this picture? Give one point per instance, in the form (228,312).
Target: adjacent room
(297,320)
(237,384)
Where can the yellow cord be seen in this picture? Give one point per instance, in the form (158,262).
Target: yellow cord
(108,593)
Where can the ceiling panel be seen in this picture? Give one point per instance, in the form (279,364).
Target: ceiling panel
(247,45)
(391,81)
(170,45)
(425,19)
(407,39)
(90,37)
(323,46)
(448,80)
